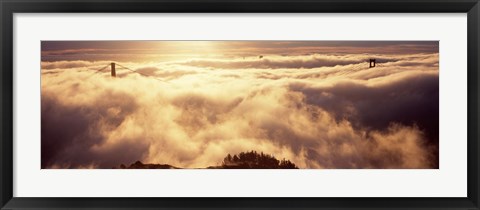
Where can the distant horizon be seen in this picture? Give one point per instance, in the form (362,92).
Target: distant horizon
(98,50)
(196,104)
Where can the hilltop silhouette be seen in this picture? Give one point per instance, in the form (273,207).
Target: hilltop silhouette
(140,165)
(243,160)
(254,160)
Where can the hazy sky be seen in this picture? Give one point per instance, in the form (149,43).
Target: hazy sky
(167,50)
(316,103)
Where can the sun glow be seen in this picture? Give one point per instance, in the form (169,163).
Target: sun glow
(191,104)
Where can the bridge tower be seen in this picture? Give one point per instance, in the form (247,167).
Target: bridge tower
(112,68)
(372,63)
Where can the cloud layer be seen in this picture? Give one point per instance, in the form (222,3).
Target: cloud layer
(317,110)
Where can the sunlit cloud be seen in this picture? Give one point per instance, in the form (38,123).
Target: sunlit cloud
(319,110)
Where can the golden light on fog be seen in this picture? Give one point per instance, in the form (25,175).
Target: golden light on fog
(190,103)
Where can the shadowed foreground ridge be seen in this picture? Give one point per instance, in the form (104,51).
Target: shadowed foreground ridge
(140,165)
(254,160)
(244,160)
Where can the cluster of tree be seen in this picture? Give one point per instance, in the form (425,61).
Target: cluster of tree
(244,160)
(254,160)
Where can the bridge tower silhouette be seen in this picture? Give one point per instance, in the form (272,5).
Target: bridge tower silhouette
(112,70)
(116,66)
(372,63)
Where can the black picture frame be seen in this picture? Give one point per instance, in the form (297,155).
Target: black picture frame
(10,7)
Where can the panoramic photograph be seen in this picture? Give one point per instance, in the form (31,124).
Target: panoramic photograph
(239,104)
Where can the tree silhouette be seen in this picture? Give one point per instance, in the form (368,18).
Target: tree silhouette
(243,160)
(254,160)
